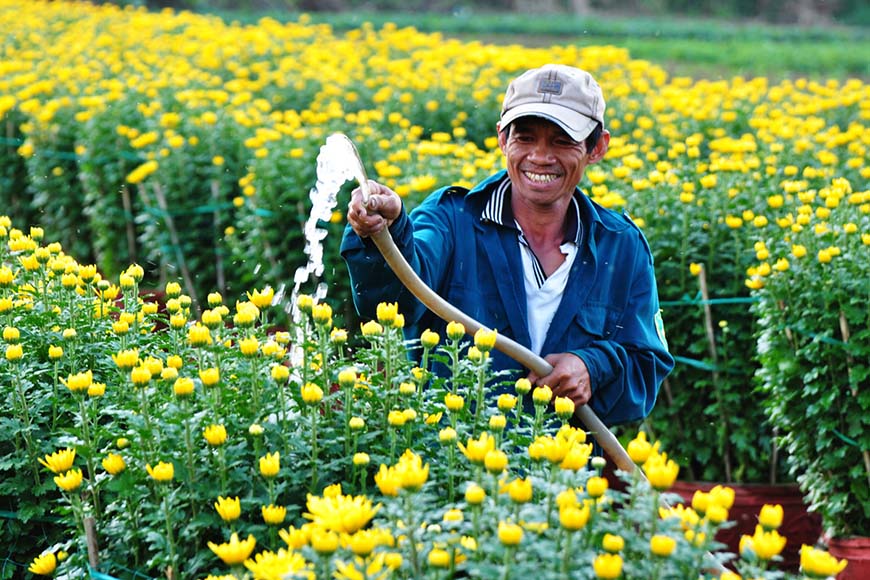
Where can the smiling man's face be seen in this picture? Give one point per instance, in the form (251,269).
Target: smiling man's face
(543,162)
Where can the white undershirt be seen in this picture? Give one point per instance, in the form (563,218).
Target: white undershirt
(542,302)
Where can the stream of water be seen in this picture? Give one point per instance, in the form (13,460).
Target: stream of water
(337,163)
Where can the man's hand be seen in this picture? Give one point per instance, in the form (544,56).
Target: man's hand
(383,208)
(570,378)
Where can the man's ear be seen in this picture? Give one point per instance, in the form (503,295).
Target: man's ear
(600,150)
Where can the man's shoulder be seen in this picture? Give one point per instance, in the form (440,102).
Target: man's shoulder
(472,199)
(620,222)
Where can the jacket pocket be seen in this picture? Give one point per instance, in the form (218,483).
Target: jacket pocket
(595,321)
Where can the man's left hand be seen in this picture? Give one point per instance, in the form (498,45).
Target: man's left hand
(570,378)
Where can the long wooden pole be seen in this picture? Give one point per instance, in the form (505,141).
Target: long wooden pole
(446,311)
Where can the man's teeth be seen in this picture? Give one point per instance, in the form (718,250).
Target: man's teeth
(540,177)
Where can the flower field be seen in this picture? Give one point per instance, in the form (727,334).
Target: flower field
(193,440)
(193,448)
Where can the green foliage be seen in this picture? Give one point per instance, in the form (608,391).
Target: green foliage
(814,349)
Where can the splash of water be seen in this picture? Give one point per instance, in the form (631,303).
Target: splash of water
(337,163)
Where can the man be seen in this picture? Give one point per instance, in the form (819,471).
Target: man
(527,254)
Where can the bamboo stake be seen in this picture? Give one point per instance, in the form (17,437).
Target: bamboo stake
(129,219)
(216,223)
(850,360)
(91,540)
(176,242)
(711,347)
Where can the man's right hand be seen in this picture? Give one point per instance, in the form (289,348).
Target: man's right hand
(383,208)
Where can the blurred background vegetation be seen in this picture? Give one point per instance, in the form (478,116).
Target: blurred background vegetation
(714,39)
(806,12)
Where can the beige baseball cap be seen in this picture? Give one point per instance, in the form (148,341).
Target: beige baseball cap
(565,95)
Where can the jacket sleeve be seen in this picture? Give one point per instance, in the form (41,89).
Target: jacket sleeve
(425,239)
(627,370)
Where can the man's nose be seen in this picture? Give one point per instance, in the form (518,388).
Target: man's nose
(541,152)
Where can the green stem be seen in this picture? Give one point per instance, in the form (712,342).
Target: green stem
(505,570)
(424,365)
(169,535)
(550,493)
(412,541)
(54,398)
(454,364)
(451,459)
(222,462)
(348,414)
(255,388)
(25,415)
(191,473)
(324,366)
(314,449)
(566,552)
(478,405)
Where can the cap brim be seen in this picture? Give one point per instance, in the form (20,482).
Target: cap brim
(576,125)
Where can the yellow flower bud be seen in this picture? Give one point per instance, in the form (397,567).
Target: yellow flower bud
(596,486)
(454,403)
(228,508)
(162,472)
(270,464)
(455,330)
(113,464)
(215,435)
(495,461)
(475,494)
(542,395)
(523,386)
(273,515)
(770,516)
(612,543)
(509,534)
(661,545)
(429,339)
(311,393)
(564,408)
(484,339)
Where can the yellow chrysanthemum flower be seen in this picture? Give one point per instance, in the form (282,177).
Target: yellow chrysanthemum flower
(340,513)
(163,472)
(228,508)
(270,464)
(59,461)
(43,565)
(235,551)
(70,480)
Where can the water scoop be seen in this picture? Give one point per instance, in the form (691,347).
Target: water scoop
(446,311)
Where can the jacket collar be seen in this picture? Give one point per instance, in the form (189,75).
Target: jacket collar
(498,210)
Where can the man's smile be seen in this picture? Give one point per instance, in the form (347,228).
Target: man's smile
(540,177)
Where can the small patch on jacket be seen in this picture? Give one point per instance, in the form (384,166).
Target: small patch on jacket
(660,329)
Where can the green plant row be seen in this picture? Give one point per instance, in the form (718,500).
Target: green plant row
(215,447)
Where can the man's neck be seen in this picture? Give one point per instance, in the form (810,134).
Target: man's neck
(542,225)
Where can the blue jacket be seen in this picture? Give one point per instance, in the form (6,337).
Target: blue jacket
(609,315)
